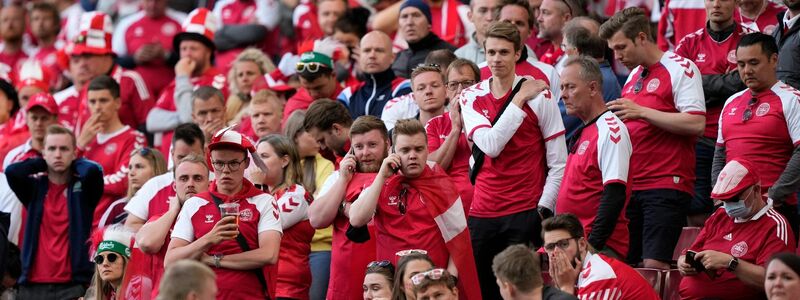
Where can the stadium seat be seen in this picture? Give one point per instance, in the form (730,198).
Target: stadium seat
(688,236)
(672,281)
(654,276)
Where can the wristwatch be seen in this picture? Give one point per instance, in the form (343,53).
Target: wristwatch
(217,259)
(733,264)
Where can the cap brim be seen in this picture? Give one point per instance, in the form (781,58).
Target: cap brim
(82,49)
(226,145)
(49,110)
(281,88)
(180,37)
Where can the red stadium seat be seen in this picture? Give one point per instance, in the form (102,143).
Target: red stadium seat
(654,276)
(672,281)
(686,240)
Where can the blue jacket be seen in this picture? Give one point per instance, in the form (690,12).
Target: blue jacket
(28,179)
(369,97)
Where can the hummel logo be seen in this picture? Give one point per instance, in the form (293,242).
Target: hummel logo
(728,237)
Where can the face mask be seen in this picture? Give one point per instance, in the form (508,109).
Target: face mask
(736,209)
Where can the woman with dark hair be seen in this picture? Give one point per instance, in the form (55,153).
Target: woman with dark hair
(783,277)
(282,179)
(378,280)
(316,170)
(13,129)
(412,262)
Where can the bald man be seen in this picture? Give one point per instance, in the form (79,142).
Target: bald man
(381,84)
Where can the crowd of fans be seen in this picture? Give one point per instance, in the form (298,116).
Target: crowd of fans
(400,149)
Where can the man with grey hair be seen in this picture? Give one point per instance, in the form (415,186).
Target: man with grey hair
(596,175)
(188,279)
(208,110)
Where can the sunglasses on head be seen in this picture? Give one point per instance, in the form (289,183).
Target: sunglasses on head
(402,253)
(311,67)
(100,259)
(144,151)
(383,264)
(434,274)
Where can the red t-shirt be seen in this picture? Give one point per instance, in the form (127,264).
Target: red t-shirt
(679,18)
(258,213)
(602,275)
(14,59)
(294,271)
(513,181)
(448,22)
(112,152)
(302,100)
(437,129)
(51,263)
(416,229)
(766,22)
(134,95)
(711,57)
(68,100)
(349,259)
(306,25)
(138,30)
(753,241)
(769,137)
(664,160)
(601,156)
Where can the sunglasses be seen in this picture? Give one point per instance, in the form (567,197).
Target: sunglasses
(407,252)
(100,259)
(144,151)
(639,82)
(434,274)
(311,67)
(403,199)
(748,113)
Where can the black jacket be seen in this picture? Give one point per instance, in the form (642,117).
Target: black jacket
(415,55)
(788,52)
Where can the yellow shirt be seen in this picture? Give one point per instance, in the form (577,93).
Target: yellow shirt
(322,237)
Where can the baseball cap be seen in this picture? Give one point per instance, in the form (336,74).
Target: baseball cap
(735,177)
(43,100)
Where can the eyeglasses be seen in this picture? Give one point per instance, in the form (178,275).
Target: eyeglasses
(100,259)
(407,252)
(563,244)
(311,67)
(232,165)
(639,82)
(454,85)
(434,274)
(748,113)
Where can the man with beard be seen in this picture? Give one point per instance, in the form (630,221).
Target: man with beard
(353,247)
(195,46)
(191,177)
(578,270)
(414,205)
(788,39)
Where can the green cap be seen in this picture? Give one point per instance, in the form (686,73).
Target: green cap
(313,56)
(114,246)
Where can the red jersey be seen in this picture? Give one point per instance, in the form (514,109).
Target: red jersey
(769,137)
(438,128)
(448,22)
(306,25)
(112,152)
(51,263)
(602,275)
(766,22)
(601,156)
(513,181)
(711,57)
(232,12)
(532,67)
(68,100)
(294,271)
(211,77)
(414,229)
(679,19)
(349,259)
(133,94)
(13,60)
(138,30)
(664,160)
(767,231)
(258,213)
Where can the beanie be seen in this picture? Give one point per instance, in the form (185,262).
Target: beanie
(421,5)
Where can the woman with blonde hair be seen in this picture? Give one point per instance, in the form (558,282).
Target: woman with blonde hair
(247,69)
(316,170)
(145,163)
(282,179)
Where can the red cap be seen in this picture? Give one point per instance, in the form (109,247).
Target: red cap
(43,100)
(96,29)
(32,73)
(734,178)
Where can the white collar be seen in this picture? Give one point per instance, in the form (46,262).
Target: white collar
(789,22)
(758,215)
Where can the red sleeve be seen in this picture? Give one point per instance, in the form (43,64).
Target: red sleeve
(116,183)
(137,103)
(434,130)
(663,25)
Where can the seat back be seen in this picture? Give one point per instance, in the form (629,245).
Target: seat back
(688,235)
(672,281)
(654,277)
